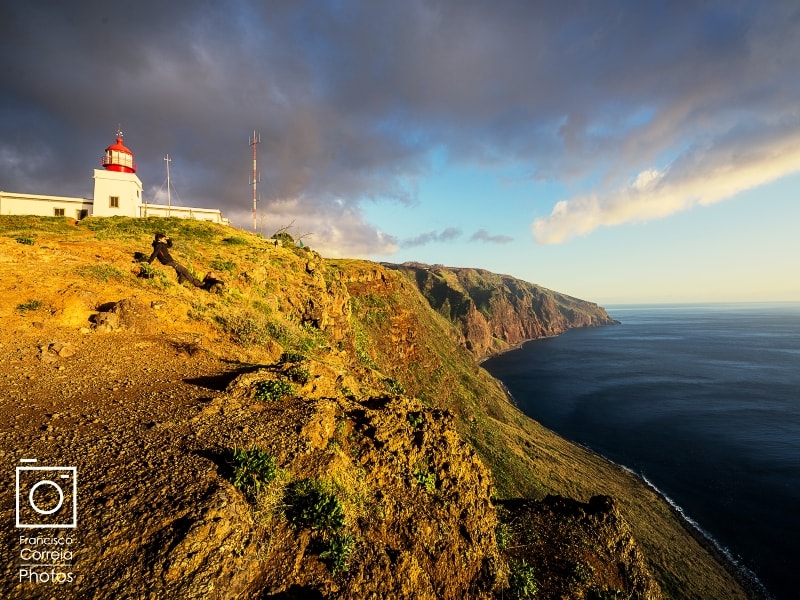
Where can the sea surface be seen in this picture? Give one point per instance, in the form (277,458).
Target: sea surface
(703,401)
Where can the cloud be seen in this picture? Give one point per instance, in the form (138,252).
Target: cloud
(336,230)
(742,160)
(352,98)
(430,237)
(483,236)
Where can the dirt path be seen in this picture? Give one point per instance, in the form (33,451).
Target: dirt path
(118,407)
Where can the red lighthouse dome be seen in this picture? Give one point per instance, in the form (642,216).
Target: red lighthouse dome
(118,157)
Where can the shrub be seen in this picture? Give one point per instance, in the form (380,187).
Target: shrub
(223,265)
(298,374)
(522,581)
(273,390)
(28,241)
(235,241)
(292,357)
(248,327)
(395,387)
(338,552)
(415,419)
(251,470)
(310,505)
(503,535)
(30,305)
(426,479)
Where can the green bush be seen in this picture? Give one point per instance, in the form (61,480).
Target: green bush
(235,241)
(248,327)
(338,552)
(223,265)
(522,581)
(28,241)
(298,374)
(426,479)
(30,305)
(292,357)
(273,390)
(503,535)
(252,469)
(310,505)
(415,419)
(395,387)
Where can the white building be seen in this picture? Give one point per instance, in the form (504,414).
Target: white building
(117,192)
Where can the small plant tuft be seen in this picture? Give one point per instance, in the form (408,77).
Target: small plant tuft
(101,272)
(338,552)
(27,240)
(273,390)
(415,419)
(223,265)
(311,505)
(292,357)
(30,305)
(298,374)
(522,581)
(426,479)
(503,535)
(235,241)
(394,386)
(251,470)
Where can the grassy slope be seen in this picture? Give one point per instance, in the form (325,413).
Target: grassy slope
(394,331)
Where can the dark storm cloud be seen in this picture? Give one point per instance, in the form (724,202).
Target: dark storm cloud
(351,97)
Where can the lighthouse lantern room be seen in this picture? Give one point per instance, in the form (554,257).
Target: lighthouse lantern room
(117,189)
(118,157)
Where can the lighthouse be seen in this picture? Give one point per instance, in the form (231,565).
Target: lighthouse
(117,189)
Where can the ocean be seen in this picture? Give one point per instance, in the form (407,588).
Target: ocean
(703,401)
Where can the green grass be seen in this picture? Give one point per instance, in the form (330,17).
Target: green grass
(175,228)
(22,225)
(102,272)
(30,305)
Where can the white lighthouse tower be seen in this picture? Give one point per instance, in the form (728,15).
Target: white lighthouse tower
(117,189)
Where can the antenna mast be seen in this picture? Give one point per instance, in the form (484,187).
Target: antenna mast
(256,175)
(167,160)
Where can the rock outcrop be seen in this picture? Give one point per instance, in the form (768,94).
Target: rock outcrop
(495,312)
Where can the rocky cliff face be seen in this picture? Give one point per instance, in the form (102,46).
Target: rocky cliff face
(495,312)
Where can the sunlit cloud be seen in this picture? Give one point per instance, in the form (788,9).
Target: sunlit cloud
(700,176)
(333,229)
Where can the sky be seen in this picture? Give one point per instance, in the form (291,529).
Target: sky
(618,151)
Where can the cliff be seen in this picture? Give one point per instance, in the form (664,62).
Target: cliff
(310,429)
(494,312)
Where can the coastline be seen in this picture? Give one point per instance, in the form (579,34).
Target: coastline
(746,578)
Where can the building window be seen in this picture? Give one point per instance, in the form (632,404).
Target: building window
(113,201)
(59,212)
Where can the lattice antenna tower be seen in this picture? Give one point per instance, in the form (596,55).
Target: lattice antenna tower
(256,177)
